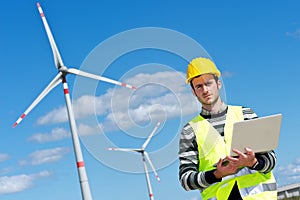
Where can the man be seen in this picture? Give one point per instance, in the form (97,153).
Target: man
(206,140)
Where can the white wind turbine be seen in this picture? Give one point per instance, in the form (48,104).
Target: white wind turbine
(63,71)
(145,157)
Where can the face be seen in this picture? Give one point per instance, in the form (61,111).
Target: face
(206,89)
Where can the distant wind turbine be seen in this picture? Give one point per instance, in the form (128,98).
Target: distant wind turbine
(145,157)
(63,71)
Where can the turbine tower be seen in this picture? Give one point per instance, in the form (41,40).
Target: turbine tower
(145,157)
(63,71)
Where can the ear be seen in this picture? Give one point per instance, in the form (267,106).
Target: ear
(219,83)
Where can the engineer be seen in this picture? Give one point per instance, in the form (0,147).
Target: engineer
(206,140)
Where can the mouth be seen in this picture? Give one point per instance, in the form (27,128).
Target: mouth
(206,96)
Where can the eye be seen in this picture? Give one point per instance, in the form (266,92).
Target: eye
(198,86)
(209,83)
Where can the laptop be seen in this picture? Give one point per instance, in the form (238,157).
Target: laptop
(260,134)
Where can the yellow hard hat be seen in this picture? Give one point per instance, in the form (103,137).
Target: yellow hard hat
(199,66)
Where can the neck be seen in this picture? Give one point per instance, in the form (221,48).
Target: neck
(215,108)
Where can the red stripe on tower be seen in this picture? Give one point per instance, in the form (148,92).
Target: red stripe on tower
(66,90)
(80,164)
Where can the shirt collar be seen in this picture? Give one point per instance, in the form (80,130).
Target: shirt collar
(206,112)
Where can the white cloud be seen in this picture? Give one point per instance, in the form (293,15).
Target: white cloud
(45,156)
(5,170)
(18,183)
(84,129)
(160,96)
(288,174)
(57,115)
(295,34)
(3,157)
(55,135)
(83,107)
(227,74)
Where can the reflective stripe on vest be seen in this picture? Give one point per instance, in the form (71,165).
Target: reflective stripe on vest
(258,188)
(212,147)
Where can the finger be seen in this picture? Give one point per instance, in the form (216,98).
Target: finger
(237,151)
(220,162)
(233,164)
(249,151)
(232,159)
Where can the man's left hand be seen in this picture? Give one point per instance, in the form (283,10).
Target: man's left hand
(246,159)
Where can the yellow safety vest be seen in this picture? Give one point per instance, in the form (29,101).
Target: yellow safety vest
(252,184)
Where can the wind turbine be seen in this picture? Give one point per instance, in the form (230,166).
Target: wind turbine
(145,157)
(63,71)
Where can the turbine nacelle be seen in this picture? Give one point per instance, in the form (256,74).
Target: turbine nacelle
(63,69)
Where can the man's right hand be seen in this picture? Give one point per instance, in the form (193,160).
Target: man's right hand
(225,170)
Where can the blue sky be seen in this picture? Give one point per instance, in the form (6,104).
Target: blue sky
(255,44)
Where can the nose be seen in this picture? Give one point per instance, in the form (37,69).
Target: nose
(205,88)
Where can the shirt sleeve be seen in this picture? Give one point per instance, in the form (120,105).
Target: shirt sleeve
(189,176)
(265,162)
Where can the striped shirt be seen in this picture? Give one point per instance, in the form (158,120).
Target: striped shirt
(189,176)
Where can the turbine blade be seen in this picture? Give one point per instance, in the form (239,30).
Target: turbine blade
(150,136)
(122,149)
(51,85)
(100,78)
(153,169)
(57,58)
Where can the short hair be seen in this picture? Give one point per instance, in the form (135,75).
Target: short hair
(215,77)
